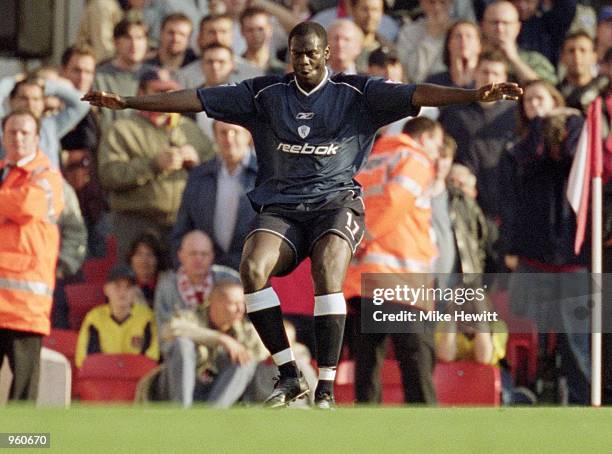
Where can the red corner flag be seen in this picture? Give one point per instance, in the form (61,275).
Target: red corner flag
(587,165)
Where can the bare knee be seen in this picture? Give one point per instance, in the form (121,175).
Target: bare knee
(254,274)
(330,259)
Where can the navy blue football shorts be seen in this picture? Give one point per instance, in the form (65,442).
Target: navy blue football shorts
(302,225)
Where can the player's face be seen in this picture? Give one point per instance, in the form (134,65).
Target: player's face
(19,138)
(308,58)
(174,37)
(80,70)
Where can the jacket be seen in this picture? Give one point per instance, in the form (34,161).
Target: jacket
(197,210)
(126,168)
(538,222)
(396,180)
(31,201)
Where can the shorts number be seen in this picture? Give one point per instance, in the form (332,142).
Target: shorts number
(351,225)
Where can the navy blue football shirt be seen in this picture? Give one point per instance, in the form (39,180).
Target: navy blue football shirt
(309,145)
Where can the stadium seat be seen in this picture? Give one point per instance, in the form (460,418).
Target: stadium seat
(63,341)
(81,299)
(95,270)
(391,380)
(112,378)
(467,383)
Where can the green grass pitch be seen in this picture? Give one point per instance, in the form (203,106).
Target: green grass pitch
(161,429)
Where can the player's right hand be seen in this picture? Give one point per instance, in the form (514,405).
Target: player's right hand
(104,99)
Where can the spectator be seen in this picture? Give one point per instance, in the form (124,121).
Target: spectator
(367,15)
(79,162)
(177,300)
(543,29)
(144,163)
(29,93)
(217,30)
(287,16)
(460,227)
(500,27)
(345,45)
(120,326)
(461,51)
(98,20)
(384,62)
(122,73)
(580,86)
(174,51)
(30,203)
(604,32)
(482,131)
(396,180)
(256,29)
(146,257)
(217,66)
(421,43)
(535,176)
(215,200)
(388,27)
(73,248)
(462,178)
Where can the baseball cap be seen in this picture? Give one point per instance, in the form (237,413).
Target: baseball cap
(382,56)
(605,14)
(119,272)
(158,79)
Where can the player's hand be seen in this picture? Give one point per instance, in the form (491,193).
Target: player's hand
(104,99)
(237,352)
(494,92)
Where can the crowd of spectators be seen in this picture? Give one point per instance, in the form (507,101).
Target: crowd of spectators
(488,179)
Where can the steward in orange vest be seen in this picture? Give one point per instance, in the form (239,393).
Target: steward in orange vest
(398,238)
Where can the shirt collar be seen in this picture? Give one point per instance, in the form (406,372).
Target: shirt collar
(308,93)
(24,161)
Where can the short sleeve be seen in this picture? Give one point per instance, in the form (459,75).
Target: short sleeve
(389,101)
(232,103)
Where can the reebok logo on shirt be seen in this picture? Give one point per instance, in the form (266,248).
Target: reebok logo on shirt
(320,150)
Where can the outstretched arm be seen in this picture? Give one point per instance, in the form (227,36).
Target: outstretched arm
(176,101)
(436,95)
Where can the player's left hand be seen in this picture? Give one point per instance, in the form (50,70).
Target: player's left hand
(495,92)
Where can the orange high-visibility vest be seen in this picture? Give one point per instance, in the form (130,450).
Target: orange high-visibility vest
(31,200)
(398,239)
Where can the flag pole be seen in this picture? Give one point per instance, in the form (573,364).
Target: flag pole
(596,253)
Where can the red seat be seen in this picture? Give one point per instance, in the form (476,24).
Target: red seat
(112,378)
(391,379)
(296,291)
(95,270)
(467,383)
(63,341)
(81,299)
